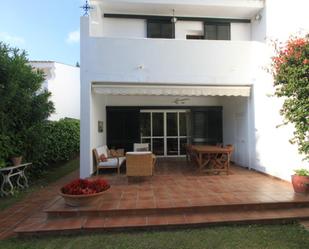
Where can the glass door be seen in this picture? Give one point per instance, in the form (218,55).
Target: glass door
(166,131)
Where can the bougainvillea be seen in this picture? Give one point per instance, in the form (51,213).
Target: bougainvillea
(290,68)
(85,187)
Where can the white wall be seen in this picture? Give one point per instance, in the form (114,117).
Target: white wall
(119,27)
(240,31)
(270,149)
(63,82)
(65,89)
(170,61)
(235,127)
(184,28)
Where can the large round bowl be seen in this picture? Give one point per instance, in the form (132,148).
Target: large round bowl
(81,200)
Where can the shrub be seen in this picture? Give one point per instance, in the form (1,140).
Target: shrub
(52,142)
(22,102)
(290,68)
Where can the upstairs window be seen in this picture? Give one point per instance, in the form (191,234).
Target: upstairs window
(160,29)
(217,31)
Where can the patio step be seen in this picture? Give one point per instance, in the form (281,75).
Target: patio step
(57,211)
(82,224)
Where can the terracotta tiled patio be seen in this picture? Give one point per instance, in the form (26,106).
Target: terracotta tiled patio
(177,195)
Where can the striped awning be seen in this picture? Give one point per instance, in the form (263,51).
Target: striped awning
(170,90)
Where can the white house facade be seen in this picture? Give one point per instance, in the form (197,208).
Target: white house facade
(63,81)
(171,72)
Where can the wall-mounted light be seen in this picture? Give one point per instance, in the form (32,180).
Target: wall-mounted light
(174,18)
(258,17)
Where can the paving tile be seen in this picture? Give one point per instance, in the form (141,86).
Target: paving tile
(157,219)
(62,224)
(94,222)
(145,204)
(127,205)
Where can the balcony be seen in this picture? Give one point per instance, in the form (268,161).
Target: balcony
(164,61)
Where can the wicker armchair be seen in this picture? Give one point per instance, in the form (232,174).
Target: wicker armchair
(140,163)
(111,162)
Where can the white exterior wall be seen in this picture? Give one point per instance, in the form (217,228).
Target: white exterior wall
(63,82)
(65,89)
(240,31)
(270,150)
(171,61)
(119,27)
(235,127)
(184,28)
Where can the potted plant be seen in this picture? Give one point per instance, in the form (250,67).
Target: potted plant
(290,69)
(82,192)
(16,149)
(300,181)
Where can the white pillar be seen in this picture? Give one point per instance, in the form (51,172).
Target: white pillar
(85,104)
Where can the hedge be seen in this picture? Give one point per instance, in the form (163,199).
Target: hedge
(52,142)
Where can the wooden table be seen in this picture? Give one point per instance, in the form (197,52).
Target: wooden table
(8,172)
(212,159)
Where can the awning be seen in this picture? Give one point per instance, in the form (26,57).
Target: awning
(170,90)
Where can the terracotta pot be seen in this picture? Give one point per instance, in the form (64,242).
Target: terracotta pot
(300,184)
(16,160)
(81,200)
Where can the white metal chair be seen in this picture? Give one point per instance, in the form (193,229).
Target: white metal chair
(141,147)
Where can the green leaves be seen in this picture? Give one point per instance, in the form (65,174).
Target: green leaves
(51,142)
(22,104)
(290,69)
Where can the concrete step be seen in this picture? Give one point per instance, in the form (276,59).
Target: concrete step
(81,224)
(58,211)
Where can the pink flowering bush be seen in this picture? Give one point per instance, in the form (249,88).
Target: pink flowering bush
(290,69)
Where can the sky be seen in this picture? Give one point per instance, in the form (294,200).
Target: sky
(46,29)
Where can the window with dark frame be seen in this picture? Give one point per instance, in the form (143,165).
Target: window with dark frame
(217,31)
(160,29)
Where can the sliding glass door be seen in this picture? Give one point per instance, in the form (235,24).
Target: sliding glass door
(166,131)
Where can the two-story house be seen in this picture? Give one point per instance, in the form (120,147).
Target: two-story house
(171,72)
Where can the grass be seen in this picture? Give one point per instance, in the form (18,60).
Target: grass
(52,175)
(235,237)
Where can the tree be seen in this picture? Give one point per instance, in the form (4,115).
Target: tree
(290,68)
(23,102)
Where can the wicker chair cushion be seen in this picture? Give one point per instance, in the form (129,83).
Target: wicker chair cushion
(103,158)
(102,150)
(112,162)
(139,153)
(141,147)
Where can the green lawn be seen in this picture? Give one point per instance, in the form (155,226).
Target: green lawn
(233,237)
(53,174)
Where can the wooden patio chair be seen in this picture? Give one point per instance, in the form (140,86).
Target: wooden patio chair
(189,153)
(222,162)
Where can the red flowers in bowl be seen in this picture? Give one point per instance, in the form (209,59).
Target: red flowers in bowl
(85,187)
